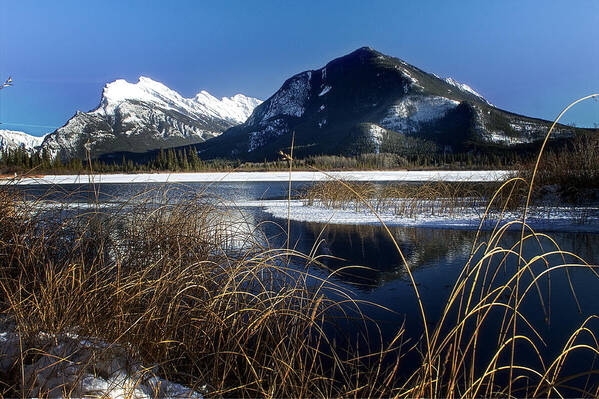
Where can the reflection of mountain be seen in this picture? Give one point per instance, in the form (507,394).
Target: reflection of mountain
(370,246)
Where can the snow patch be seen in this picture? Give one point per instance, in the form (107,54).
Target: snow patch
(411,111)
(570,219)
(324,91)
(412,81)
(500,138)
(466,88)
(376,135)
(291,99)
(84,367)
(522,131)
(260,137)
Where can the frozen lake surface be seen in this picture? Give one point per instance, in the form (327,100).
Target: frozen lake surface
(398,175)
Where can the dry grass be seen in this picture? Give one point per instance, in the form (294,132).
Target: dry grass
(572,171)
(159,279)
(413,199)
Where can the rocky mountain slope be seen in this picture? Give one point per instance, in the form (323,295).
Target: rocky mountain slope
(368,102)
(11,139)
(144,116)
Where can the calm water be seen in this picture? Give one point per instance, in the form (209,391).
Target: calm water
(436,257)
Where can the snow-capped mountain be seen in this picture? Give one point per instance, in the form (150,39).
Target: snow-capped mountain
(11,139)
(147,115)
(369,102)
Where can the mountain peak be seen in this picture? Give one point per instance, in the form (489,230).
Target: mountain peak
(146,80)
(147,115)
(145,89)
(364,51)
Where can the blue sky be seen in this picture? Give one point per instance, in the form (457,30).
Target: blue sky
(529,57)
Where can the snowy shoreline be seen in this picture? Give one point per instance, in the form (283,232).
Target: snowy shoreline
(554,219)
(209,177)
(583,219)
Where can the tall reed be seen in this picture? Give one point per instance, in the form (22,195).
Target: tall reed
(182,286)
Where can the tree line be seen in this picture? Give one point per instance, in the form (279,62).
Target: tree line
(20,160)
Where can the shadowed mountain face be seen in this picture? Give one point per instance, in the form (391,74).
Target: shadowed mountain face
(146,116)
(367,102)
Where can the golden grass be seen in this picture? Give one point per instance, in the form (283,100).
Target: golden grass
(158,278)
(413,199)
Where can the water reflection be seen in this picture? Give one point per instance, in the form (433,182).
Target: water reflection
(340,246)
(112,192)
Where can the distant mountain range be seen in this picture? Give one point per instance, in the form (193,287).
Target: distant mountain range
(367,102)
(363,102)
(10,140)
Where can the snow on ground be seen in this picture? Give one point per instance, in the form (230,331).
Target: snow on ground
(392,176)
(241,226)
(571,219)
(72,366)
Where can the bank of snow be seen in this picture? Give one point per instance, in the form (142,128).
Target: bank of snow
(570,219)
(67,365)
(392,176)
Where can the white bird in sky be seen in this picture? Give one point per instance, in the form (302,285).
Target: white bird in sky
(7,83)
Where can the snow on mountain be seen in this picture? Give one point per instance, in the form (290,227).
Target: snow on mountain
(466,88)
(324,91)
(367,101)
(144,116)
(411,111)
(235,109)
(376,136)
(291,99)
(11,139)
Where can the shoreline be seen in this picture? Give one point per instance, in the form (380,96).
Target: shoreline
(297,176)
(563,219)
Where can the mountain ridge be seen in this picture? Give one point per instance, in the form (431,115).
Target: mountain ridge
(13,139)
(366,101)
(143,116)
